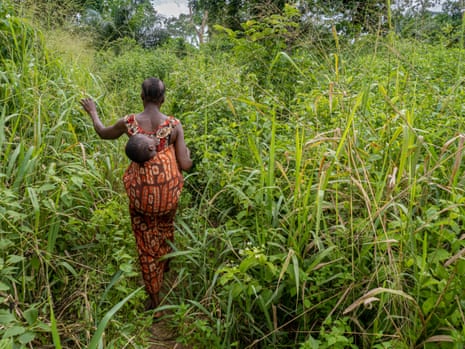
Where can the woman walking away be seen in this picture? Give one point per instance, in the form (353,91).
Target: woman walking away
(154,185)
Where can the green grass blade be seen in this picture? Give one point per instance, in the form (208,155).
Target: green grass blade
(97,337)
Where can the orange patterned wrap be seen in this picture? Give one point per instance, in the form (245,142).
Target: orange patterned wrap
(153,189)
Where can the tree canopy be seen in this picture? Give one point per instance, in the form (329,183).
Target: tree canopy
(111,20)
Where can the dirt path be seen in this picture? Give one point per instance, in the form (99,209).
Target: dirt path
(164,337)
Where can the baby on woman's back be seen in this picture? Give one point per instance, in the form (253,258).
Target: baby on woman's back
(141,148)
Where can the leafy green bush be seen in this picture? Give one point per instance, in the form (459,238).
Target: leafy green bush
(324,209)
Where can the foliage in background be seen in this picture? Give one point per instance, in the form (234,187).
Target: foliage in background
(114,20)
(107,21)
(324,210)
(55,182)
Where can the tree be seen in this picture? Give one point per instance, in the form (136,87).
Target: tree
(349,16)
(117,19)
(444,24)
(185,28)
(231,13)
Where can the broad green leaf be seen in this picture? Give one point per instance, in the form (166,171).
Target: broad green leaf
(27,337)
(14,331)
(428,304)
(5,243)
(6,317)
(126,267)
(13,259)
(461,268)
(31,315)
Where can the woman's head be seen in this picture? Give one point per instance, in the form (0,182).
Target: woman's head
(153,90)
(141,148)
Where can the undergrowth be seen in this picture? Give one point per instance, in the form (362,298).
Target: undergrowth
(324,209)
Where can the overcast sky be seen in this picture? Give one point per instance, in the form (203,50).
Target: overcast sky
(170,7)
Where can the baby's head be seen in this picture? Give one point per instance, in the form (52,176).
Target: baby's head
(141,148)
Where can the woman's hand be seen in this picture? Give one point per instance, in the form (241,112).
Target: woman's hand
(89,106)
(110,132)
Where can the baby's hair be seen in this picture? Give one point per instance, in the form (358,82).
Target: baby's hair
(137,149)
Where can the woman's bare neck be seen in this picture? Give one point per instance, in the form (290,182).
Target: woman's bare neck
(151,117)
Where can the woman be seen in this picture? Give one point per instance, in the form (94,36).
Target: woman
(154,186)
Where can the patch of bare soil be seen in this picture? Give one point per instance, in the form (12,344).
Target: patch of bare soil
(164,337)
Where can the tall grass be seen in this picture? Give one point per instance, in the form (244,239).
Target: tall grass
(327,233)
(53,182)
(324,210)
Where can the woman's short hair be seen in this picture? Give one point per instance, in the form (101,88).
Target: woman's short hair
(153,90)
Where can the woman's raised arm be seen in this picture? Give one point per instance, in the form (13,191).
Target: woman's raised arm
(111,132)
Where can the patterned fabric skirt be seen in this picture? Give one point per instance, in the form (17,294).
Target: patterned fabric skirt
(153,189)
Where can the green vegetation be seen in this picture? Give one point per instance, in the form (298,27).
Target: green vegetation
(325,209)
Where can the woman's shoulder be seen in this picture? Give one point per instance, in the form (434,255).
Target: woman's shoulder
(169,121)
(172,120)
